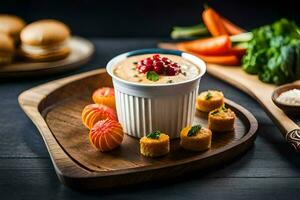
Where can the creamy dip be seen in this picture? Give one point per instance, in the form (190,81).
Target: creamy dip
(128,71)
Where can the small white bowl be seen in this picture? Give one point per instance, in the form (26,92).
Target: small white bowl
(143,108)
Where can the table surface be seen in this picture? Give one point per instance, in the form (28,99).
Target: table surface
(269,170)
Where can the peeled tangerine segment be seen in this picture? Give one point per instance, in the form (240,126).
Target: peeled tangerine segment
(105,96)
(106,135)
(93,113)
(209,100)
(155,147)
(199,142)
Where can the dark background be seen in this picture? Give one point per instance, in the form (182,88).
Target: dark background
(269,170)
(140,18)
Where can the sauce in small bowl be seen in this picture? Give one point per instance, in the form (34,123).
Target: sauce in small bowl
(165,102)
(286,107)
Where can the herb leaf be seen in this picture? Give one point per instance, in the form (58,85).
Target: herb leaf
(152,76)
(193,131)
(154,135)
(208,96)
(214,112)
(224,108)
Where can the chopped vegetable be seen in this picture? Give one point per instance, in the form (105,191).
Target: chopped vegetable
(223,108)
(189,32)
(229,60)
(274,53)
(193,131)
(208,46)
(237,51)
(243,37)
(208,96)
(152,76)
(213,22)
(231,28)
(154,135)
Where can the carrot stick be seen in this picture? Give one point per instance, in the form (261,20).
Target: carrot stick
(237,51)
(233,60)
(231,28)
(229,60)
(208,46)
(213,22)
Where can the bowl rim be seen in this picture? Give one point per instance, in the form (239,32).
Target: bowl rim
(195,60)
(276,93)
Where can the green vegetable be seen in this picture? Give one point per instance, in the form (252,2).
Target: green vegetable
(215,112)
(152,76)
(189,32)
(243,37)
(208,96)
(193,131)
(274,53)
(224,109)
(154,135)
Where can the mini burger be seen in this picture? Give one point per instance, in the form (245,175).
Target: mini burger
(45,40)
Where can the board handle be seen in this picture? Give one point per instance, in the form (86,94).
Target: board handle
(293,138)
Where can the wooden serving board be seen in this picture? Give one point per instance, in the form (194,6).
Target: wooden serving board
(55,108)
(81,51)
(262,92)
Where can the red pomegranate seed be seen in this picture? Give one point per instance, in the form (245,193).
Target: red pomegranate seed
(148,62)
(158,67)
(161,65)
(145,68)
(156,57)
(172,71)
(166,60)
(175,65)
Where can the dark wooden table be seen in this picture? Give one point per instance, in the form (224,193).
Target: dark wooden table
(269,170)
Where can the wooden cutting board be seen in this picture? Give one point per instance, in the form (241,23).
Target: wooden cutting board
(81,51)
(55,108)
(262,92)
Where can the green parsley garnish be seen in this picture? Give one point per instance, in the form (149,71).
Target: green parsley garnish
(184,73)
(208,96)
(193,131)
(154,135)
(224,108)
(135,63)
(169,81)
(215,112)
(152,76)
(134,68)
(135,75)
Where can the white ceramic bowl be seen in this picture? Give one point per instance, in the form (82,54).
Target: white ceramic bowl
(143,108)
